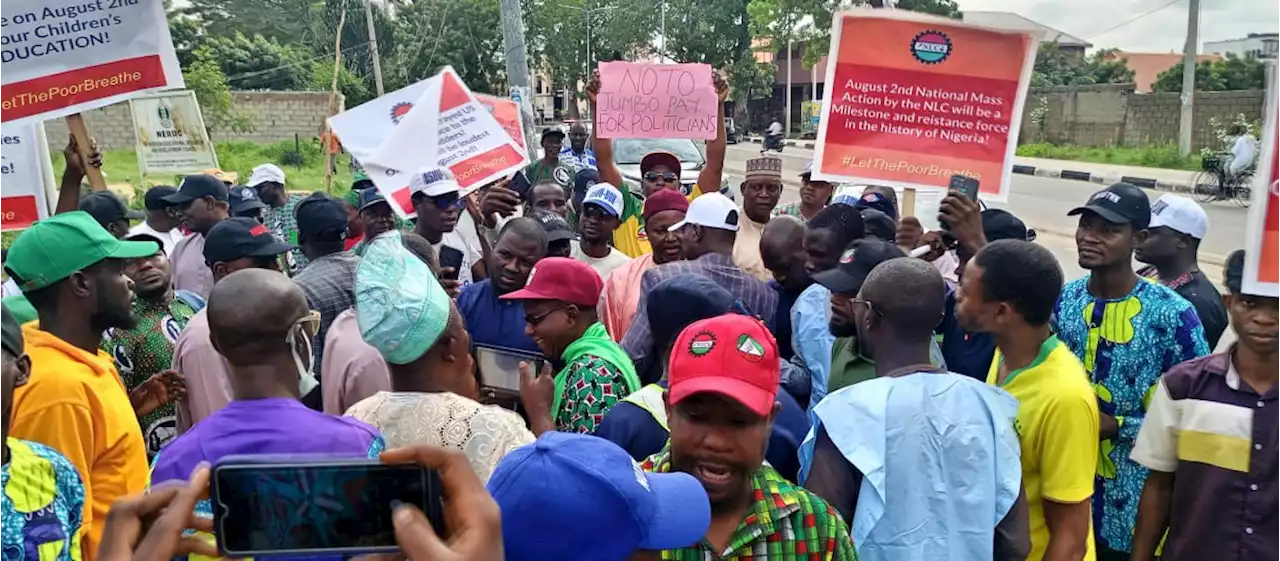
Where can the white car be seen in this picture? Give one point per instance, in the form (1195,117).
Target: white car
(627,153)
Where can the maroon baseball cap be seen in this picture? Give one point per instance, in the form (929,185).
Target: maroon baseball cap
(660,158)
(563,279)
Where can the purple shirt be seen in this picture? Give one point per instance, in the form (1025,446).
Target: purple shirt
(265,426)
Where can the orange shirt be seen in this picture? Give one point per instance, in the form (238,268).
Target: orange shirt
(75,403)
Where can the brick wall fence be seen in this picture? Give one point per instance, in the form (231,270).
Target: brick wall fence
(276,116)
(1112,114)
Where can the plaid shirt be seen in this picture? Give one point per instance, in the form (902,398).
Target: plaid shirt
(285,226)
(329,283)
(785,523)
(753,292)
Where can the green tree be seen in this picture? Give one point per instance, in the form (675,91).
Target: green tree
(354,90)
(1053,67)
(259,63)
(1230,73)
(944,8)
(463,34)
(204,77)
(714,32)
(355,37)
(291,22)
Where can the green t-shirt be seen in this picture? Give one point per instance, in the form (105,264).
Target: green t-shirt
(561,173)
(145,351)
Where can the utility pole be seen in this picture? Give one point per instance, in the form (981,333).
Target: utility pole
(787,131)
(1186,119)
(518,66)
(373,47)
(662,28)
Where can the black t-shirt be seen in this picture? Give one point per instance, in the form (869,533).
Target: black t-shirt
(1196,288)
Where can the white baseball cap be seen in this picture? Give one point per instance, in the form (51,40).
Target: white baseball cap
(434,182)
(264,173)
(711,210)
(605,195)
(1179,214)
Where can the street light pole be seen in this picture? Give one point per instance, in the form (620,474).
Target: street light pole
(373,46)
(1186,119)
(517,58)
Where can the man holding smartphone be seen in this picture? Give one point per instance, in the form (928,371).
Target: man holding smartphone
(436,198)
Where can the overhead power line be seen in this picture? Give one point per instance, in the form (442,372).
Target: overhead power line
(245,75)
(1130,20)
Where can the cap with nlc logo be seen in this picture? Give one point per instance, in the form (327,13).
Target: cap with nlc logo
(433,182)
(576,496)
(237,238)
(732,355)
(1181,215)
(56,247)
(711,210)
(1121,203)
(244,199)
(855,264)
(606,196)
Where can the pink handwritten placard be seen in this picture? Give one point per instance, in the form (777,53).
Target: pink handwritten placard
(639,100)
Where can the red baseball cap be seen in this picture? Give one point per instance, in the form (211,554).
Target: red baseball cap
(660,158)
(561,278)
(732,355)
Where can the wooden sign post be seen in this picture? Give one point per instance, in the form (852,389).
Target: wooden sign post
(84,145)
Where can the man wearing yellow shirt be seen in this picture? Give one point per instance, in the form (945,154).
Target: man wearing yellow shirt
(658,170)
(1008,290)
(72,272)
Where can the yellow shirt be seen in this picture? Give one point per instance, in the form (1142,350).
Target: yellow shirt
(1057,427)
(630,237)
(75,403)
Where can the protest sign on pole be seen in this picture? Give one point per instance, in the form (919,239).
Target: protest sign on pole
(62,57)
(435,122)
(22,163)
(914,99)
(1262,236)
(171,134)
(642,100)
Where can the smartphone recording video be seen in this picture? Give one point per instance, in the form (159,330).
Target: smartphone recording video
(308,507)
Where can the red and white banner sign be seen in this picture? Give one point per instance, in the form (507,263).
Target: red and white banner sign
(444,125)
(1262,236)
(61,57)
(22,160)
(507,112)
(914,99)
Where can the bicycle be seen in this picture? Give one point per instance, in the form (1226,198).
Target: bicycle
(1215,183)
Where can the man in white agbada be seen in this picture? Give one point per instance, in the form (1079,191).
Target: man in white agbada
(406,315)
(950,490)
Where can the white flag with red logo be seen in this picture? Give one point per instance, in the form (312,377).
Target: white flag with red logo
(445,126)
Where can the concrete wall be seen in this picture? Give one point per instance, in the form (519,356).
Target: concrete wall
(1112,114)
(276,116)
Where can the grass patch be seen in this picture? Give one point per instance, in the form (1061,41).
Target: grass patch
(304,168)
(1152,156)
(303,171)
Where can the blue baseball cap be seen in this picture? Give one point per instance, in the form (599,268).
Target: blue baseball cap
(606,196)
(578,497)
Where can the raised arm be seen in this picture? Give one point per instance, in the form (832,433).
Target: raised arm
(609,172)
(709,178)
(69,189)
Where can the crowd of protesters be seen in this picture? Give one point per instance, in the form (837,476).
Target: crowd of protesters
(715,378)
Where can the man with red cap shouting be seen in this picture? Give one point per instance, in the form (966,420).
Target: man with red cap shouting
(560,300)
(721,405)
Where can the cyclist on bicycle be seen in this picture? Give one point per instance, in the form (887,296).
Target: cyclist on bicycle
(1243,151)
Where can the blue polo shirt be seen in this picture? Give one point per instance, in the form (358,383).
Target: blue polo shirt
(628,425)
(966,353)
(492,321)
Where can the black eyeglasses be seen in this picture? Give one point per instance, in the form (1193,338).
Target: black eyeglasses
(539,318)
(446,202)
(668,177)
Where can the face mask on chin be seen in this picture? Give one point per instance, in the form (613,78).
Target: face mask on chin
(306,380)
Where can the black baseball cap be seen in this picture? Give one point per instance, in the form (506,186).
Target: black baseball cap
(1233,272)
(239,237)
(878,224)
(1121,203)
(10,333)
(243,199)
(106,207)
(998,224)
(879,202)
(855,264)
(370,197)
(557,227)
(146,237)
(552,131)
(154,199)
(322,217)
(198,186)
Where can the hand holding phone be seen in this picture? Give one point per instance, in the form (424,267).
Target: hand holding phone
(472,514)
(962,218)
(151,525)
(966,185)
(275,505)
(450,262)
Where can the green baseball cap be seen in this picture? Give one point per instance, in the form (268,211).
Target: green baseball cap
(54,248)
